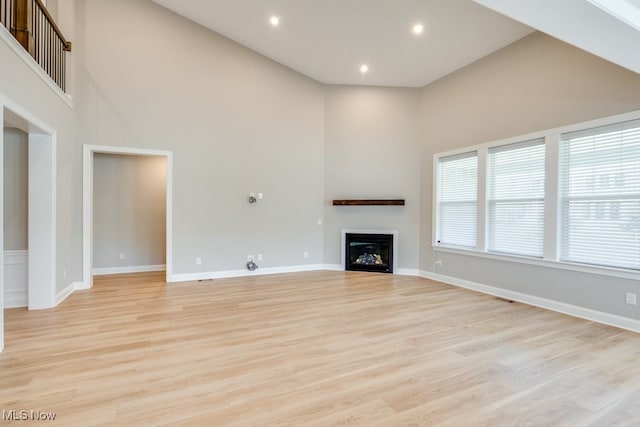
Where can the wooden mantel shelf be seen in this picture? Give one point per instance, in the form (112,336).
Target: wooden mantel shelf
(369,202)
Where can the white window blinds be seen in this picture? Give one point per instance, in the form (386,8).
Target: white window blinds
(457,199)
(515,197)
(600,196)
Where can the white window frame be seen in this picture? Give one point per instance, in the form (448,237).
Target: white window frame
(524,198)
(437,236)
(594,194)
(552,213)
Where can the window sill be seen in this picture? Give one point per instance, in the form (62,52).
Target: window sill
(561,265)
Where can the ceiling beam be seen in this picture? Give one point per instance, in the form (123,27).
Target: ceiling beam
(581,23)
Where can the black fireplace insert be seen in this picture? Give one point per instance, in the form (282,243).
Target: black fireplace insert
(369,252)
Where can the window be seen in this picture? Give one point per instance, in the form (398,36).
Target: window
(515,197)
(600,196)
(457,199)
(567,198)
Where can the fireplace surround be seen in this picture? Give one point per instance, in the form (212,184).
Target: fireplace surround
(369,250)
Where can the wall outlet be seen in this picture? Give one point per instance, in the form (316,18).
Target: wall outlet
(305,254)
(249,257)
(631,299)
(259,257)
(319,221)
(123,256)
(260,196)
(438,262)
(198,261)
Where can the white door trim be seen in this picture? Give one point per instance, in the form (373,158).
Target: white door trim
(42,221)
(87,204)
(42,207)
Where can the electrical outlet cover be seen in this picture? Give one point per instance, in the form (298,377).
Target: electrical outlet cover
(631,298)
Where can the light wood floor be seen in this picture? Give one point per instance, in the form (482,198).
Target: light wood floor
(321,348)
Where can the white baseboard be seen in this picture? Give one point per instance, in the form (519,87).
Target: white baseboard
(130,269)
(16,257)
(63,294)
(66,292)
(16,278)
(333,267)
(560,307)
(81,286)
(15,298)
(188,277)
(408,272)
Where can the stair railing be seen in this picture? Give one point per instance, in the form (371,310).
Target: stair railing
(33,27)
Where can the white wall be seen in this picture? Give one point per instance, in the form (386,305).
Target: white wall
(372,152)
(235,121)
(129,213)
(16,172)
(534,84)
(52,8)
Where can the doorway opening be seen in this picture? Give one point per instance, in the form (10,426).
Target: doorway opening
(128,236)
(16,214)
(39,239)
(129,218)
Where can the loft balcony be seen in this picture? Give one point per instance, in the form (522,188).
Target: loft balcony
(32,26)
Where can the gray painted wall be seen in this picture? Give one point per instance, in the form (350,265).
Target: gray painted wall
(534,84)
(372,152)
(129,212)
(16,176)
(235,121)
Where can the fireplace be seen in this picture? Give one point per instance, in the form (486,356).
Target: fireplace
(369,251)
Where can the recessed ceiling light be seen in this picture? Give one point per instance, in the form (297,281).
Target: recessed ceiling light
(364,68)
(418,29)
(274,20)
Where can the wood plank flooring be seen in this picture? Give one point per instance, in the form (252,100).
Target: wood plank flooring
(316,349)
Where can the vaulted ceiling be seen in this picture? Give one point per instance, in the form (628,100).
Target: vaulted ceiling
(330,40)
